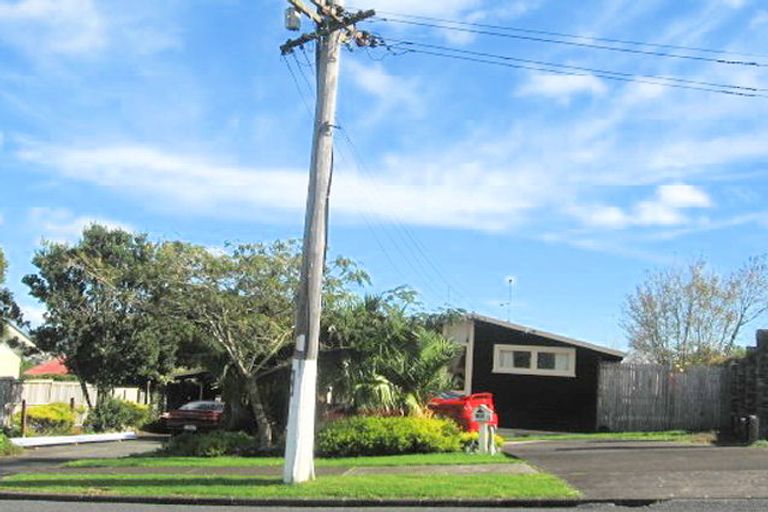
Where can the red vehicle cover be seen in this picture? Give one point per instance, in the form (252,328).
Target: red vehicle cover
(459,407)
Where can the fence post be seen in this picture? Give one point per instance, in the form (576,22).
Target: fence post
(24,418)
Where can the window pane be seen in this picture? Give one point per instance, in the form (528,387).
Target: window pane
(545,361)
(522,359)
(562,362)
(506,359)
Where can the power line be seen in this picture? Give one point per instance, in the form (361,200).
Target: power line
(602,72)
(501,60)
(574,36)
(593,46)
(416,248)
(414,256)
(298,87)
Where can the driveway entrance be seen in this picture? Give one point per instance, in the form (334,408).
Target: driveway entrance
(651,470)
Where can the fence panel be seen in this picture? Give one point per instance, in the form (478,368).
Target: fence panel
(644,397)
(42,392)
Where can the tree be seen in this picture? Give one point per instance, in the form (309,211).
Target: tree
(9,310)
(100,294)
(241,302)
(692,315)
(382,356)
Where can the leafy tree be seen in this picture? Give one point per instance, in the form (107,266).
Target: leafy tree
(692,315)
(383,356)
(9,310)
(100,297)
(242,304)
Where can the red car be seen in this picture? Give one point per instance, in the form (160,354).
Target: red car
(459,407)
(194,416)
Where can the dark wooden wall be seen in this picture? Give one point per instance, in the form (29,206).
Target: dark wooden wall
(533,401)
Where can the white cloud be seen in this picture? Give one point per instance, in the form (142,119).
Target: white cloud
(666,208)
(390,91)
(62,225)
(34,313)
(680,195)
(719,150)
(53,26)
(444,8)
(450,190)
(760,19)
(735,4)
(562,87)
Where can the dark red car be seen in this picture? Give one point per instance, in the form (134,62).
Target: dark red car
(194,416)
(459,407)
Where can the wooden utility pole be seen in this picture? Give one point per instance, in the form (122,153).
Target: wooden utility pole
(332,25)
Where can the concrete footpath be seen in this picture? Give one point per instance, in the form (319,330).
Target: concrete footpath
(35,459)
(651,470)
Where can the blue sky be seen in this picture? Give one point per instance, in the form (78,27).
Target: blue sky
(180,118)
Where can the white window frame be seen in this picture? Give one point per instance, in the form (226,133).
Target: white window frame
(534,350)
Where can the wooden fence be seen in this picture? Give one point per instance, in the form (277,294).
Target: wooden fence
(41,392)
(643,397)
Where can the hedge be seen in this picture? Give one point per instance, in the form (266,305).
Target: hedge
(113,415)
(374,435)
(48,420)
(210,444)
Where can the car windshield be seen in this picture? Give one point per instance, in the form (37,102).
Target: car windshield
(202,406)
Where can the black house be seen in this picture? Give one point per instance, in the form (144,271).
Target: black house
(540,380)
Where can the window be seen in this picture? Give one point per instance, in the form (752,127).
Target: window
(531,360)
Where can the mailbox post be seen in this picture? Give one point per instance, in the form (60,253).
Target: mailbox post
(483,415)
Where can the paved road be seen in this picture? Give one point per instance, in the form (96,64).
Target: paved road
(644,470)
(672,506)
(51,456)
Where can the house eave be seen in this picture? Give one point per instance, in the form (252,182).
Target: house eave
(545,334)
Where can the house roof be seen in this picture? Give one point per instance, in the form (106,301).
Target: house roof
(51,367)
(15,332)
(545,334)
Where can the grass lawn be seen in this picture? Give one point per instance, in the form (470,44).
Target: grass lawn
(360,487)
(425,459)
(671,435)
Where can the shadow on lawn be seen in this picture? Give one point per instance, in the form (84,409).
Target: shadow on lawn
(141,482)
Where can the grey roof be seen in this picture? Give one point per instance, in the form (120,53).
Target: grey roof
(545,334)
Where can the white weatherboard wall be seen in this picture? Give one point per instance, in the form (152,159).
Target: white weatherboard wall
(10,362)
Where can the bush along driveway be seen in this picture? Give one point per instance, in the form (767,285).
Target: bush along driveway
(433,476)
(604,469)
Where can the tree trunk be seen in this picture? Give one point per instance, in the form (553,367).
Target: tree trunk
(86,394)
(259,414)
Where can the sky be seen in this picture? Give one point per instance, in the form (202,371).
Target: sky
(182,120)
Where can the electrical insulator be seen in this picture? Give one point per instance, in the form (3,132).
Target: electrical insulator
(292,19)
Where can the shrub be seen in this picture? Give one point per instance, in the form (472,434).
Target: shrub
(376,435)
(113,415)
(47,420)
(210,444)
(6,448)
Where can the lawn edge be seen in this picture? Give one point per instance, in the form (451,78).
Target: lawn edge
(314,502)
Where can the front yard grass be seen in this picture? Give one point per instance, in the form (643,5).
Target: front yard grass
(421,459)
(463,486)
(680,436)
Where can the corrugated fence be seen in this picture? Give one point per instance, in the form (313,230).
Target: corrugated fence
(645,397)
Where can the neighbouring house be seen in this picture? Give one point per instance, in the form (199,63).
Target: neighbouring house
(540,380)
(51,367)
(10,356)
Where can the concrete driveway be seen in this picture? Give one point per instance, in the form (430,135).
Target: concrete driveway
(651,470)
(51,456)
